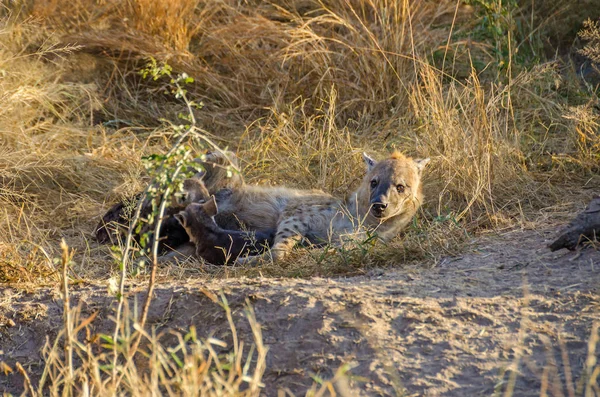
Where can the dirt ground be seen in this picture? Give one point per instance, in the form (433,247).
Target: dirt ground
(450,330)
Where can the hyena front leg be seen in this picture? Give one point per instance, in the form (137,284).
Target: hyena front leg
(289,232)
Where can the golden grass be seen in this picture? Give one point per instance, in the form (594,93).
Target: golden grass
(134,361)
(106,365)
(299,89)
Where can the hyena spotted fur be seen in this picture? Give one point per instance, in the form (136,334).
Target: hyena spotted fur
(385,202)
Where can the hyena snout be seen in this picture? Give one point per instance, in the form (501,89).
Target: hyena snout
(378,208)
(380,200)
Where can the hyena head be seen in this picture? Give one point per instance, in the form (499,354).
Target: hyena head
(198,218)
(390,192)
(219,170)
(195,190)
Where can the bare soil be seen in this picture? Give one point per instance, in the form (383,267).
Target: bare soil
(450,330)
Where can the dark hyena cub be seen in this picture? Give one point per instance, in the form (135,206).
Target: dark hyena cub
(214,176)
(214,244)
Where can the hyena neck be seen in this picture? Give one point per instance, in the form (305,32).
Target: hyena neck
(203,231)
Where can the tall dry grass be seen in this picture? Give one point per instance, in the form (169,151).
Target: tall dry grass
(83,360)
(298,89)
(165,363)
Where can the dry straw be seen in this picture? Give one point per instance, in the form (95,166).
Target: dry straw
(298,88)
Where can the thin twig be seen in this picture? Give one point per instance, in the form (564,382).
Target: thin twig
(567,365)
(26,381)
(66,258)
(152,282)
(512,377)
(156,241)
(126,254)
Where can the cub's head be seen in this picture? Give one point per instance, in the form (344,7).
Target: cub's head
(219,170)
(195,190)
(392,186)
(197,218)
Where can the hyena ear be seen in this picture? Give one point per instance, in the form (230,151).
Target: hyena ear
(421,163)
(181,218)
(369,161)
(210,207)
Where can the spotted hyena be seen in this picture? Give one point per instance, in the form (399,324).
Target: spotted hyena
(385,202)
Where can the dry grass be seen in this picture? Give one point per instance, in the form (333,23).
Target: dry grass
(188,366)
(298,88)
(80,362)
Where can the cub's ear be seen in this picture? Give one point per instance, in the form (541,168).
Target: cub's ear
(421,163)
(181,218)
(369,161)
(210,207)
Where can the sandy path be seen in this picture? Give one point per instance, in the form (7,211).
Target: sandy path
(451,330)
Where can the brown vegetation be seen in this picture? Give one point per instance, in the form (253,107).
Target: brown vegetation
(298,88)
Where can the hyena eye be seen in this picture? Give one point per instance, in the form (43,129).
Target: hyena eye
(373,183)
(400,188)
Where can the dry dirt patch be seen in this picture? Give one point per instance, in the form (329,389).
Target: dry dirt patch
(452,330)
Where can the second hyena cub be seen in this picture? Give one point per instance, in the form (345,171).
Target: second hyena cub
(214,244)
(216,170)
